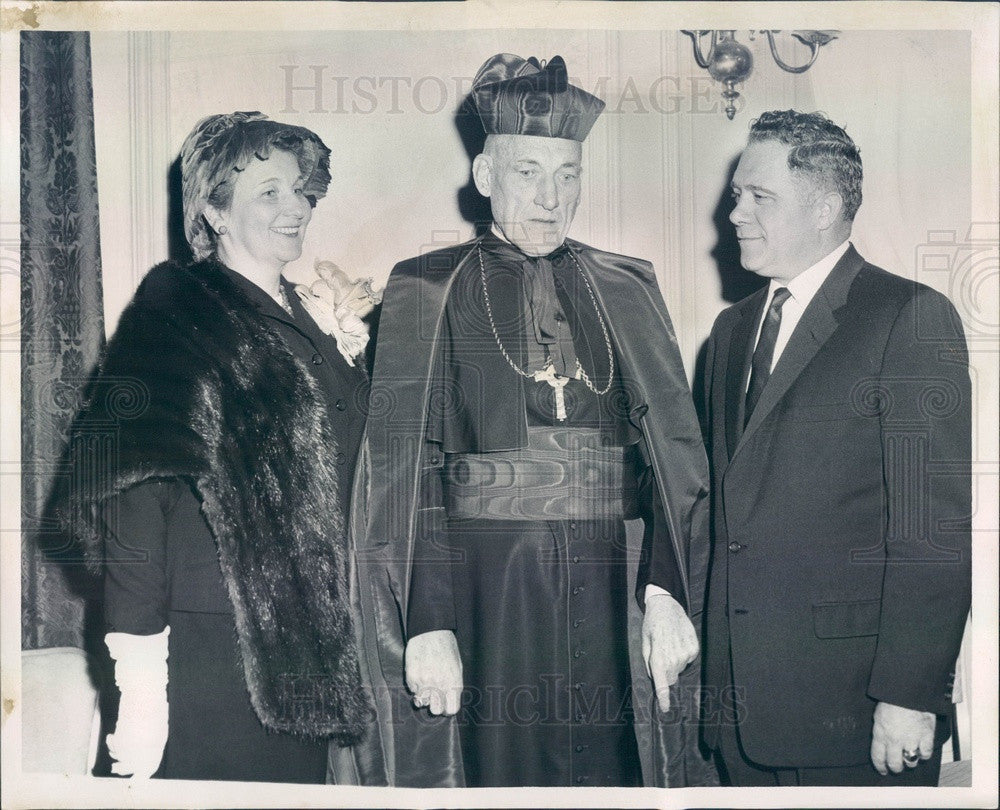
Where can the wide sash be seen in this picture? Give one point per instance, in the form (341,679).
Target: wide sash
(564,473)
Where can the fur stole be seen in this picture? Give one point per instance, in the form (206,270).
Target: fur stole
(195,384)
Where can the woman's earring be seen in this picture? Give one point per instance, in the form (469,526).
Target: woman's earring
(222,230)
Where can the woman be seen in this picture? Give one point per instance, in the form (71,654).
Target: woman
(220,514)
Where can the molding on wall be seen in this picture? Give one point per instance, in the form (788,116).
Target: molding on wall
(131,72)
(149,128)
(600,192)
(678,275)
(615,146)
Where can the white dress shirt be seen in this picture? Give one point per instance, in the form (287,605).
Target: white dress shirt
(802,288)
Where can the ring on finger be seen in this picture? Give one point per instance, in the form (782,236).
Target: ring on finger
(911,757)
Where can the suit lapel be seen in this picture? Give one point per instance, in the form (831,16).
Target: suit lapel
(817,324)
(738,367)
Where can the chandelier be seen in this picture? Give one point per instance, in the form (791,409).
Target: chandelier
(731,62)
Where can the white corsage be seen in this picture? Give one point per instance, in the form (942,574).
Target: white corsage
(338,304)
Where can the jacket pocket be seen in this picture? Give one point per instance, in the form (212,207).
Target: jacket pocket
(846,619)
(833,412)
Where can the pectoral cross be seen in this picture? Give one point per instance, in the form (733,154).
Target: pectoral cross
(548,375)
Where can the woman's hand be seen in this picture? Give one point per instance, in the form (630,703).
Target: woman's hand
(141,676)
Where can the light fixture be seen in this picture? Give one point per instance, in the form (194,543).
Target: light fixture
(731,62)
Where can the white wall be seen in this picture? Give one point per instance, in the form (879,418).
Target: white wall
(656,163)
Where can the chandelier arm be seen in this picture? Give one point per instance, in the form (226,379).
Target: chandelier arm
(703,61)
(814,52)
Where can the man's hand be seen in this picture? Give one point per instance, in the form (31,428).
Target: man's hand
(897,733)
(669,644)
(434,671)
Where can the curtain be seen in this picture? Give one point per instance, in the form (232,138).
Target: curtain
(62,328)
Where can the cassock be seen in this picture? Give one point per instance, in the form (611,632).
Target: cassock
(497,503)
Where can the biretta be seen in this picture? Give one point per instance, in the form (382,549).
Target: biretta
(516,96)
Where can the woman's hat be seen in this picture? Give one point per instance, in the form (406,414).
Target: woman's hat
(220,145)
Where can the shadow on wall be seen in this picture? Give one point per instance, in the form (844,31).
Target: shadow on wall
(473,206)
(177,246)
(737,283)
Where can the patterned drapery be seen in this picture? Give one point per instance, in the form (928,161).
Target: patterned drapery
(62,328)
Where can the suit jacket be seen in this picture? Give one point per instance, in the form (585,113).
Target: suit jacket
(841,545)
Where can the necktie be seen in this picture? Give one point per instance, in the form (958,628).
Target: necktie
(552,332)
(760,367)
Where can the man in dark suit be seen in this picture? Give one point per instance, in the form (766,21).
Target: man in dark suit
(838,404)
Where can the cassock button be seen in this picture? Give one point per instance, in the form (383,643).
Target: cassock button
(581,779)
(576,559)
(578,622)
(734,547)
(578,589)
(578,686)
(341,458)
(577,653)
(340,405)
(580,748)
(572,526)
(317,359)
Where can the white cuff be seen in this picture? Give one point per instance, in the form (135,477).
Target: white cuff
(654,590)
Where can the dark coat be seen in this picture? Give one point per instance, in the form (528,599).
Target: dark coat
(401,460)
(194,384)
(840,569)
